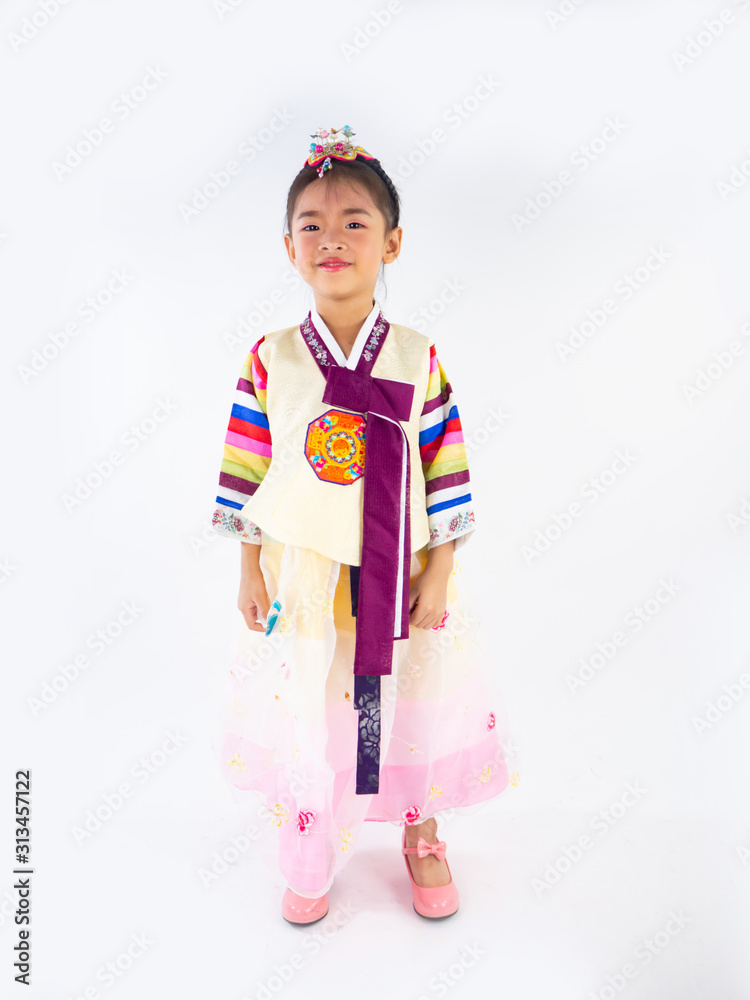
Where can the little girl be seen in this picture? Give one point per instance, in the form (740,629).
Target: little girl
(358,691)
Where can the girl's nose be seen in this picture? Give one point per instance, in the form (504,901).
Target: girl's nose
(331,240)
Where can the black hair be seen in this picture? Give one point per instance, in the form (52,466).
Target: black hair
(368,173)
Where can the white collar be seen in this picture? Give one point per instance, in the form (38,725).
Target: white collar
(359,343)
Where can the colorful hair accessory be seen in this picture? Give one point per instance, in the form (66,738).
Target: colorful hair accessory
(329,145)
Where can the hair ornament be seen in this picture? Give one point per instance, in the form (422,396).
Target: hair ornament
(330,144)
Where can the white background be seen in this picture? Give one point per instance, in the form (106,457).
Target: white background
(543,925)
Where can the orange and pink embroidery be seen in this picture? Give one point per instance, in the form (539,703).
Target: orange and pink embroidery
(335,446)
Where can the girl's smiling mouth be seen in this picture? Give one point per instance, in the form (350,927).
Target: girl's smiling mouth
(333,264)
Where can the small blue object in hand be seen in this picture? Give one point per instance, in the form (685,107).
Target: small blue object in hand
(273,616)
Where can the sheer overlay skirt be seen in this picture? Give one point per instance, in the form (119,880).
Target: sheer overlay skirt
(288,732)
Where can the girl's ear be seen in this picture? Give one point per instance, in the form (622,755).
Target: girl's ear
(393,245)
(289,244)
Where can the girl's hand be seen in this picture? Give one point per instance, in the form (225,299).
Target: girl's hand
(428,596)
(253,600)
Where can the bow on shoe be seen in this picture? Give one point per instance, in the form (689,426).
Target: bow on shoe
(424,848)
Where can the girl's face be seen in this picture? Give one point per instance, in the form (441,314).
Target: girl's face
(340,222)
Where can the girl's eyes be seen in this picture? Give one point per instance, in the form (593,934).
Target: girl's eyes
(312,225)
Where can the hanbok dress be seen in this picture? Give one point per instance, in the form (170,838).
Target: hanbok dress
(336,717)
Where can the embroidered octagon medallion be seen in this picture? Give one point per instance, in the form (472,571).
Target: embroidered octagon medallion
(335,446)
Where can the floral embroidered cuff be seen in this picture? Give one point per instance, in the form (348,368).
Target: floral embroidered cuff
(229,522)
(456,524)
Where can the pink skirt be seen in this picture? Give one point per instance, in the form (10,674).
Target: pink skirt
(289,729)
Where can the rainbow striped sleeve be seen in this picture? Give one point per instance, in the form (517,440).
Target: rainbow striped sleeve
(450,512)
(247,451)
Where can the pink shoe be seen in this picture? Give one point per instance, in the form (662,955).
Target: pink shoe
(301,910)
(435,901)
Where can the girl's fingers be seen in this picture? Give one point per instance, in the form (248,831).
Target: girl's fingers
(427,621)
(419,620)
(250,615)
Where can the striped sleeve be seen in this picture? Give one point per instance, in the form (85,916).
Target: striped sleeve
(247,451)
(450,512)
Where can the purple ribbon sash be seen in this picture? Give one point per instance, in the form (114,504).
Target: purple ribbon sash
(384,576)
(383,591)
